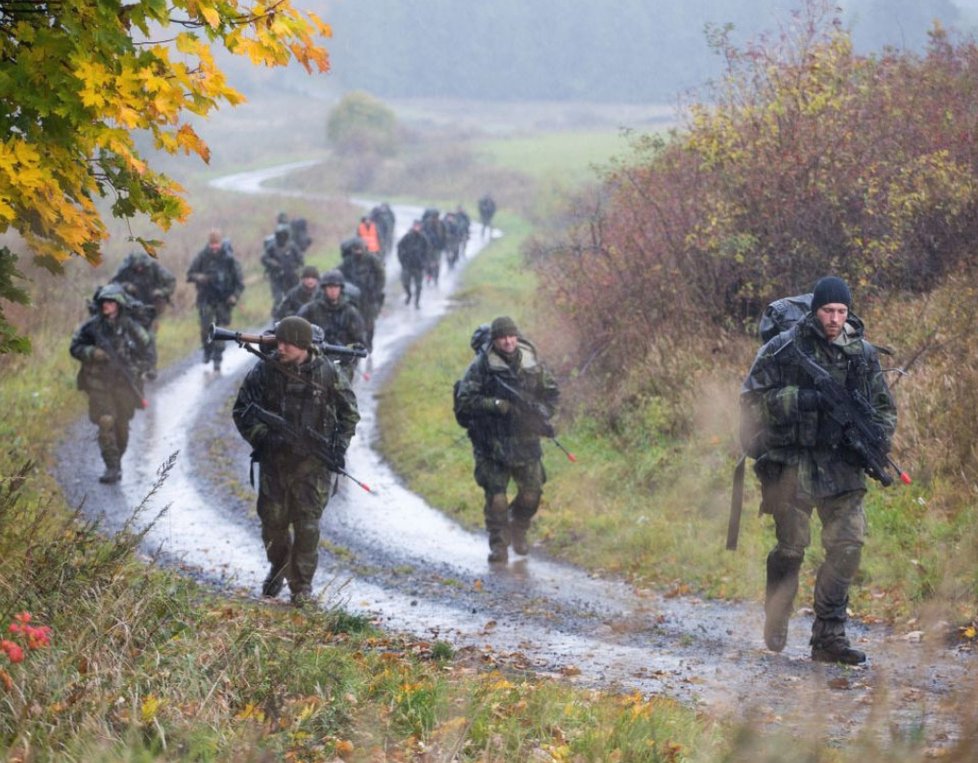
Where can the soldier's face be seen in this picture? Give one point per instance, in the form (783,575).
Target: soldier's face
(291,355)
(832,317)
(310,283)
(333,292)
(214,246)
(109,308)
(506,344)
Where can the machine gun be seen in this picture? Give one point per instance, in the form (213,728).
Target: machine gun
(537,417)
(219,334)
(306,440)
(854,415)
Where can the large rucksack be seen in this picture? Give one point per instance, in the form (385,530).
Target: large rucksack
(480,341)
(782,314)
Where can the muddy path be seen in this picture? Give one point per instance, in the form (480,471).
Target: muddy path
(392,557)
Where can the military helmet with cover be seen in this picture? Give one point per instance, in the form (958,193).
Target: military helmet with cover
(282,232)
(112,292)
(332,278)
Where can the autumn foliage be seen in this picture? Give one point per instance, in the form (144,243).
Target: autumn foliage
(79,78)
(805,159)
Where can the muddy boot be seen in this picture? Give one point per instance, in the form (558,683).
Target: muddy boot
(301,598)
(274,582)
(517,531)
(830,644)
(782,585)
(498,551)
(497,523)
(111,453)
(112,473)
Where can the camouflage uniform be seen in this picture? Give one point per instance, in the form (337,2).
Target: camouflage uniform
(217,275)
(111,397)
(294,300)
(802,465)
(282,260)
(148,281)
(341,324)
(366,271)
(294,484)
(506,444)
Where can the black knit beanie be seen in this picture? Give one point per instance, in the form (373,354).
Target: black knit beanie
(503,326)
(831,290)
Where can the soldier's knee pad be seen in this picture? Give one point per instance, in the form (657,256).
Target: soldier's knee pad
(845,559)
(527,502)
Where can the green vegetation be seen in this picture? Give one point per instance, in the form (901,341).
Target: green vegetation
(565,158)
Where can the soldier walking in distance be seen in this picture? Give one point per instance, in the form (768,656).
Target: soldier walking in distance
(487,209)
(217,275)
(148,281)
(803,462)
(339,319)
(366,270)
(413,252)
(114,350)
(508,398)
(304,389)
(283,261)
(305,291)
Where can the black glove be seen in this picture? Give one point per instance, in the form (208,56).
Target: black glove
(272,443)
(809,400)
(547,429)
(339,460)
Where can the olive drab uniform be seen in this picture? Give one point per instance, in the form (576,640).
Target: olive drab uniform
(341,323)
(148,281)
(114,353)
(295,484)
(217,275)
(282,261)
(506,445)
(412,253)
(802,464)
(295,298)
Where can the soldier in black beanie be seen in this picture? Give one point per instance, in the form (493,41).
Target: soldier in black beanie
(803,463)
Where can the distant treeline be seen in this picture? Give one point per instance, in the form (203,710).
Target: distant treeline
(624,51)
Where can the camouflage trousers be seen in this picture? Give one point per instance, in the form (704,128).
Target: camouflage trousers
(291,500)
(843,530)
(494,478)
(111,413)
(218,313)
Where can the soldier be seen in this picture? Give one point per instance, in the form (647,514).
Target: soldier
(412,253)
(384,218)
(303,292)
(148,281)
(507,398)
(340,321)
(304,389)
(368,233)
(217,275)
(282,261)
(114,351)
(433,228)
(366,271)
(803,463)
(487,209)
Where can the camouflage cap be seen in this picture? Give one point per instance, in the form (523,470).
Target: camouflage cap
(503,326)
(294,330)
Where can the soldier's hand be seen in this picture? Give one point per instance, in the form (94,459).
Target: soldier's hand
(99,355)
(200,278)
(232,300)
(158,294)
(547,429)
(500,406)
(130,288)
(809,400)
(339,459)
(273,442)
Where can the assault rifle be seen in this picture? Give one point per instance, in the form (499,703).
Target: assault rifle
(854,414)
(537,417)
(132,385)
(305,439)
(218,334)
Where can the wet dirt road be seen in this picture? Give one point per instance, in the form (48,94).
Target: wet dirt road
(396,559)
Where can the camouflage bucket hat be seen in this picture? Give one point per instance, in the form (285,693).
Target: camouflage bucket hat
(294,330)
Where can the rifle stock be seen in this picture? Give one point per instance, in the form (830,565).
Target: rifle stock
(220,334)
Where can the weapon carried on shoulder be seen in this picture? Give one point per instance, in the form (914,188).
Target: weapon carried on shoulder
(854,414)
(537,417)
(305,439)
(131,384)
(219,334)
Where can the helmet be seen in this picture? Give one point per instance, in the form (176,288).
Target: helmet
(139,258)
(331,278)
(294,330)
(282,232)
(282,218)
(112,292)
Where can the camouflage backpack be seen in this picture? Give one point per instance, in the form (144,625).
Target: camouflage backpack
(479,343)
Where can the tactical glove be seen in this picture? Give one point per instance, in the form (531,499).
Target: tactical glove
(273,442)
(809,400)
(232,300)
(339,459)
(498,405)
(99,355)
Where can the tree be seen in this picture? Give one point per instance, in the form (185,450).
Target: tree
(79,77)
(362,124)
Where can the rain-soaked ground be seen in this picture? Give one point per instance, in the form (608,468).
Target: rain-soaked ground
(392,557)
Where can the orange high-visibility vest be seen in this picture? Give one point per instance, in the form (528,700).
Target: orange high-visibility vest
(367,230)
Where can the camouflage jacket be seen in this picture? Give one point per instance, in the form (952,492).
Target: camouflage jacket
(773,429)
(513,438)
(323,402)
(293,301)
(146,281)
(223,276)
(341,322)
(412,251)
(132,343)
(282,263)
(366,272)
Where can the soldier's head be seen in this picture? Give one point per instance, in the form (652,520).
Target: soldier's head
(281,233)
(504,334)
(331,283)
(310,277)
(282,217)
(293,338)
(831,301)
(139,260)
(111,298)
(214,240)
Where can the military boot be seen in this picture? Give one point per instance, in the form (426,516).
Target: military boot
(782,585)
(498,552)
(112,473)
(273,583)
(830,644)
(517,531)
(497,524)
